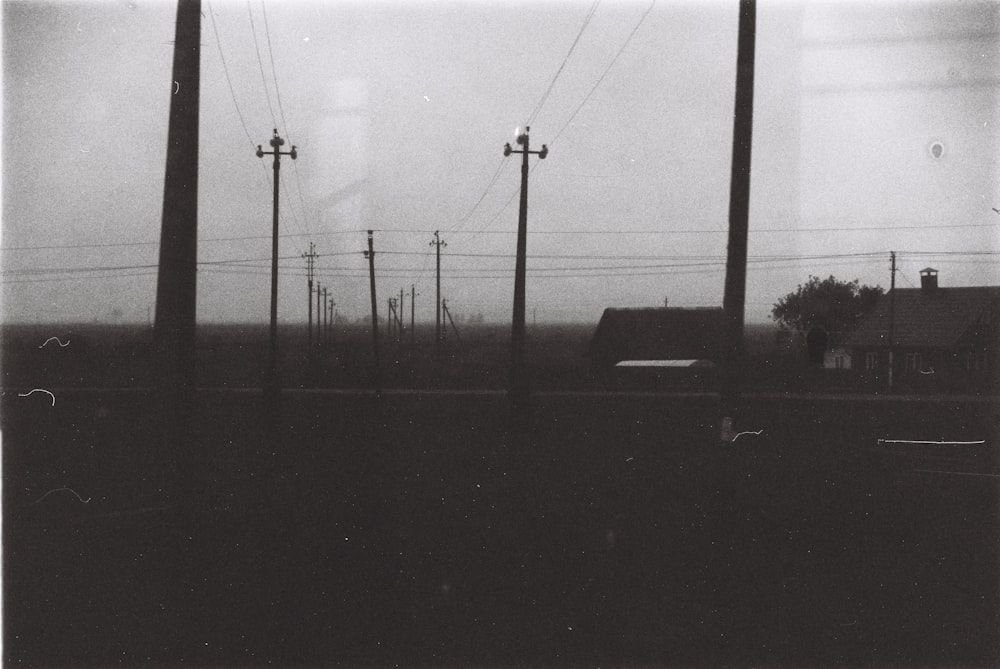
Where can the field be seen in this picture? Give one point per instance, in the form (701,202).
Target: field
(425,527)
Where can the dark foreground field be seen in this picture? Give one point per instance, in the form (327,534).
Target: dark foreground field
(419,529)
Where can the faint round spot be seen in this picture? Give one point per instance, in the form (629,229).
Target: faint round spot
(936,150)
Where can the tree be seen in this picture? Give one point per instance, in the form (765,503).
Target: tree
(836,306)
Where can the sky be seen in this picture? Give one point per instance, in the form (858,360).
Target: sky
(875,130)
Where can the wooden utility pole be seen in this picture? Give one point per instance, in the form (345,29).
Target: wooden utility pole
(310,263)
(329,326)
(413,301)
(272,385)
(390,324)
(176,284)
(319,331)
(734,299)
(370,254)
(325,307)
(399,316)
(518,391)
(437,302)
(892,318)
(444,306)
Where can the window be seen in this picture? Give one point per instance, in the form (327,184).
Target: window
(840,362)
(912,362)
(871,360)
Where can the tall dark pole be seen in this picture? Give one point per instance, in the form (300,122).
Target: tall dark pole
(437,300)
(413,301)
(174,328)
(892,319)
(310,262)
(370,254)
(734,300)
(319,332)
(325,309)
(401,317)
(518,392)
(272,386)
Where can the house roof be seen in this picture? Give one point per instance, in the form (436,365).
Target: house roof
(937,318)
(658,334)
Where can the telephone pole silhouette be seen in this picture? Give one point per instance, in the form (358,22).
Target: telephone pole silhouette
(329,326)
(272,385)
(892,317)
(370,254)
(400,316)
(310,263)
(319,330)
(518,392)
(413,301)
(734,296)
(176,282)
(437,242)
(325,307)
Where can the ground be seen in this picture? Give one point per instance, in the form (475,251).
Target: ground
(428,527)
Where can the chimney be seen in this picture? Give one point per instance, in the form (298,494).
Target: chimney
(928,279)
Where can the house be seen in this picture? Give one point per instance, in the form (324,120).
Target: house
(943,339)
(658,338)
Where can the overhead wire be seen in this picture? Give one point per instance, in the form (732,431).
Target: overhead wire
(552,83)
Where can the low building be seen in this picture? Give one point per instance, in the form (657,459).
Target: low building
(663,341)
(942,339)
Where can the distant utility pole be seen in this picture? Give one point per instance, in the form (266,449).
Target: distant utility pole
(329,325)
(734,299)
(413,301)
(325,307)
(391,320)
(892,317)
(319,333)
(310,262)
(400,314)
(518,392)
(437,242)
(444,306)
(272,385)
(370,254)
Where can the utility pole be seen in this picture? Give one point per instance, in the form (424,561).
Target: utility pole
(400,314)
(444,314)
(325,306)
(319,332)
(391,320)
(437,305)
(413,301)
(176,282)
(734,300)
(310,260)
(370,254)
(518,392)
(272,386)
(444,305)
(329,326)
(892,317)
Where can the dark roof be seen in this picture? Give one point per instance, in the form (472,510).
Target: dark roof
(937,318)
(658,334)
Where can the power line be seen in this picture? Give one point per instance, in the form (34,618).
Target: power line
(229,81)
(608,69)
(260,62)
(545,96)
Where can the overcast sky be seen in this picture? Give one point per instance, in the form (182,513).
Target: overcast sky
(875,129)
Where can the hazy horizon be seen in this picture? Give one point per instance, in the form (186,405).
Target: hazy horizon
(875,130)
